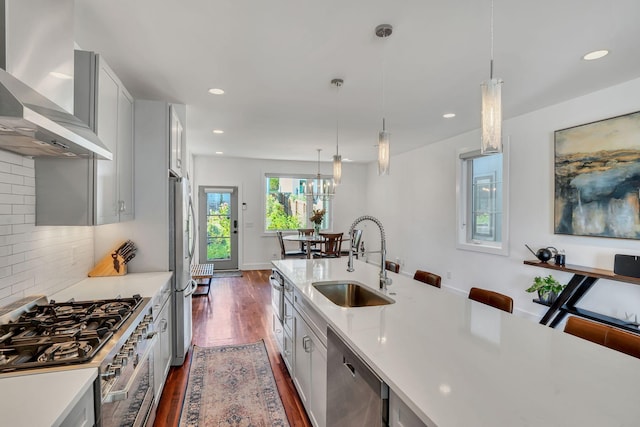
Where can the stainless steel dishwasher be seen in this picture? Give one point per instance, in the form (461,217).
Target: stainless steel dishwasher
(356,396)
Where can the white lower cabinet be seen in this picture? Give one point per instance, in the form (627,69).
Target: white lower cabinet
(162,351)
(82,414)
(400,415)
(302,339)
(310,371)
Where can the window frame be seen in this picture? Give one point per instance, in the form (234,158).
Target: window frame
(308,224)
(464,204)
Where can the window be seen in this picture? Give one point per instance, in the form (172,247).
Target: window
(286,206)
(482,202)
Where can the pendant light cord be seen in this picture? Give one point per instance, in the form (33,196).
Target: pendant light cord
(337,116)
(491,63)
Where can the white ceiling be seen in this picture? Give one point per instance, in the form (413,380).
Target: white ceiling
(275,60)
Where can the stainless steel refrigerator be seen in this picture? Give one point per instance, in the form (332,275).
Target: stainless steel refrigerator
(182,237)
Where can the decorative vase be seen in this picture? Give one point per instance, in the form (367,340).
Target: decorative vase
(316,229)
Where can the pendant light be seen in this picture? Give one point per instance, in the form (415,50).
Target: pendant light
(337,158)
(319,188)
(383,31)
(491,127)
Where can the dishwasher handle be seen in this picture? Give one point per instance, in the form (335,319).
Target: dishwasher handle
(350,367)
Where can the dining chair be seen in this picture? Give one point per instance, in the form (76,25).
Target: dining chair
(355,243)
(303,245)
(284,253)
(331,246)
(392,266)
(428,278)
(608,336)
(494,299)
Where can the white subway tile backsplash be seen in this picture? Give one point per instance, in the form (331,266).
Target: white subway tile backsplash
(9,178)
(23,170)
(12,158)
(13,199)
(11,219)
(35,260)
(21,209)
(23,190)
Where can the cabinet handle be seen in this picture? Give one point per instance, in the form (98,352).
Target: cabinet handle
(164,324)
(305,344)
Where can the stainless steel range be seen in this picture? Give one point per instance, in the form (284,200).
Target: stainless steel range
(115,335)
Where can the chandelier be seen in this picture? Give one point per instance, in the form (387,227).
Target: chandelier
(491,127)
(319,188)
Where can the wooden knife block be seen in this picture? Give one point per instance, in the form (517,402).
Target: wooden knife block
(106,268)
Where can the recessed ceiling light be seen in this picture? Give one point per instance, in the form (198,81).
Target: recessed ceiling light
(448,115)
(216,91)
(347,160)
(61,75)
(596,54)
(218,131)
(219,152)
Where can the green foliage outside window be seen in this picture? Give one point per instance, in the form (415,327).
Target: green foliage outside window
(219,233)
(277,219)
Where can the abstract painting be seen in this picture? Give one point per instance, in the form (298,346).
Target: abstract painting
(597,178)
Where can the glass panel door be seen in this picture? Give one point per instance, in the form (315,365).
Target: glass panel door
(219,227)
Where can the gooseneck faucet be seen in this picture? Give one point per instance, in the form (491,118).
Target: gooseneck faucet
(384,280)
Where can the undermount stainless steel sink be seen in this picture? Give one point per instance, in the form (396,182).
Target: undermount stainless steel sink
(351,294)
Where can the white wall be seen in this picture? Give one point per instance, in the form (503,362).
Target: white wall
(256,248)
(418,209)
(35,260)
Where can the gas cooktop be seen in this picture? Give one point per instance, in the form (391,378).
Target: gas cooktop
(45,334)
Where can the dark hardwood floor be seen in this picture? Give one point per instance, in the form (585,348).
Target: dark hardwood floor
(236,311)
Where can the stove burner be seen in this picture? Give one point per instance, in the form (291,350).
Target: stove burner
(114,307)
(65,351)
(66,327)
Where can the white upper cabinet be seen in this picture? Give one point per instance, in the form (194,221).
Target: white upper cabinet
(96,191)
(177,147)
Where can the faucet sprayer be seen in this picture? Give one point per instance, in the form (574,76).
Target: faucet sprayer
(384,280)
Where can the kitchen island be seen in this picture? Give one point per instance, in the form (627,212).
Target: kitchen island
(458,363)
(37,398)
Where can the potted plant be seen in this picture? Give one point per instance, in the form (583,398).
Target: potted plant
(548,288)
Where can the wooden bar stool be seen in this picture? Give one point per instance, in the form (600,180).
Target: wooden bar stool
(494,299)
(428,278)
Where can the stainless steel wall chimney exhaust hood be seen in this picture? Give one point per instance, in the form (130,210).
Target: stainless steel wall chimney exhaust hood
(32,125)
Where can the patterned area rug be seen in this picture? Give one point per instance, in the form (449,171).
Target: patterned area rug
(232,386)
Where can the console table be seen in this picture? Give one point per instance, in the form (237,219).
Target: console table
(583,279)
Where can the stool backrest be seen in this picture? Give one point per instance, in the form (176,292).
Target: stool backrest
(494,299)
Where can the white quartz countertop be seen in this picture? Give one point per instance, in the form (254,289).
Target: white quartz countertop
(42,399)
(45,399)
(459,363)
(144,284)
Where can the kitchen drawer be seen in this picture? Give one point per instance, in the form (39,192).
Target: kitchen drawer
(315,321)
(287,352)
(287,317)
(288,290)
(278,332)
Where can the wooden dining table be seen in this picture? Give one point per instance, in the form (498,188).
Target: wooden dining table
(308,239)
